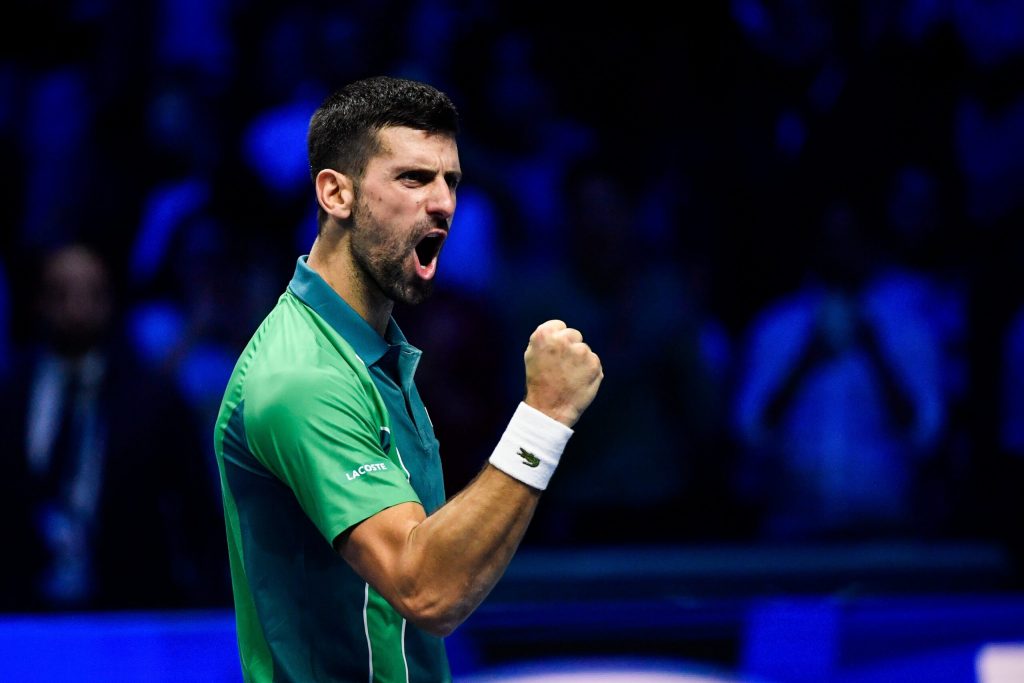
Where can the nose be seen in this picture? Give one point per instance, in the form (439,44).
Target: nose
(441,201)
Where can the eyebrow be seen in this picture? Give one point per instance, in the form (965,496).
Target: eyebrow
(450,176)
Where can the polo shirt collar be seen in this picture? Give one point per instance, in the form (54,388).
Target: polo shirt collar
(314,291)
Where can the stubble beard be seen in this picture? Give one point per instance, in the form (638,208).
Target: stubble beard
(382,260)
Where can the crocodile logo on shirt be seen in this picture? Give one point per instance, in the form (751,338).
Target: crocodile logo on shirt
(529,459)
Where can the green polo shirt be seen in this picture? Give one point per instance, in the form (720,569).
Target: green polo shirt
(321,427)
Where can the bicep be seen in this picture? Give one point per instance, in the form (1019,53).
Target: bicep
(377,548)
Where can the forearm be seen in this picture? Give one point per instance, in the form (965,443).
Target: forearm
(454,557)
(459,553)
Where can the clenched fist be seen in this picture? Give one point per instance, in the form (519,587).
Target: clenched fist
(562,373)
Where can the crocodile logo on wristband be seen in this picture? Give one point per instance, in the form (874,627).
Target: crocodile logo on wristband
(529,459)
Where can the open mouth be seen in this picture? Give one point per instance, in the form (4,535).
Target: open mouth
(429,247)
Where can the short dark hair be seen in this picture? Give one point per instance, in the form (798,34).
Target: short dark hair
(343,130)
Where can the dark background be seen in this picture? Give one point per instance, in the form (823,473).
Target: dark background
(688,188)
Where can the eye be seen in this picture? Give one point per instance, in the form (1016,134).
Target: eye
(416,177)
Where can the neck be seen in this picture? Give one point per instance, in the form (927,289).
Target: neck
(332,260)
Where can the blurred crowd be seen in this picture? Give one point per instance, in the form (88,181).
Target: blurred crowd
(789,229)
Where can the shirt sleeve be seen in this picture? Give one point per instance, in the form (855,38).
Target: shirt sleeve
(319,431)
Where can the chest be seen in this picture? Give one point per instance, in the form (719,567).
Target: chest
(413,432)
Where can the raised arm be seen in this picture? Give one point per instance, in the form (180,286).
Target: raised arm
(436,570)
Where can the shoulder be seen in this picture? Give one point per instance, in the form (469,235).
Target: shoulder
(309,385)
(291,370)
(301,386)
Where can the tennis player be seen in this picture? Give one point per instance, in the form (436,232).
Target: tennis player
(348,561)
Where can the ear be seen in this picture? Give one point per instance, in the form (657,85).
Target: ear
(335,193)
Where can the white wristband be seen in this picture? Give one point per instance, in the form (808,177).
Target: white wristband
(531,447)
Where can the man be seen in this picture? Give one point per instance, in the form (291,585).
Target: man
(103,490)
(347,563)
(840,404)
